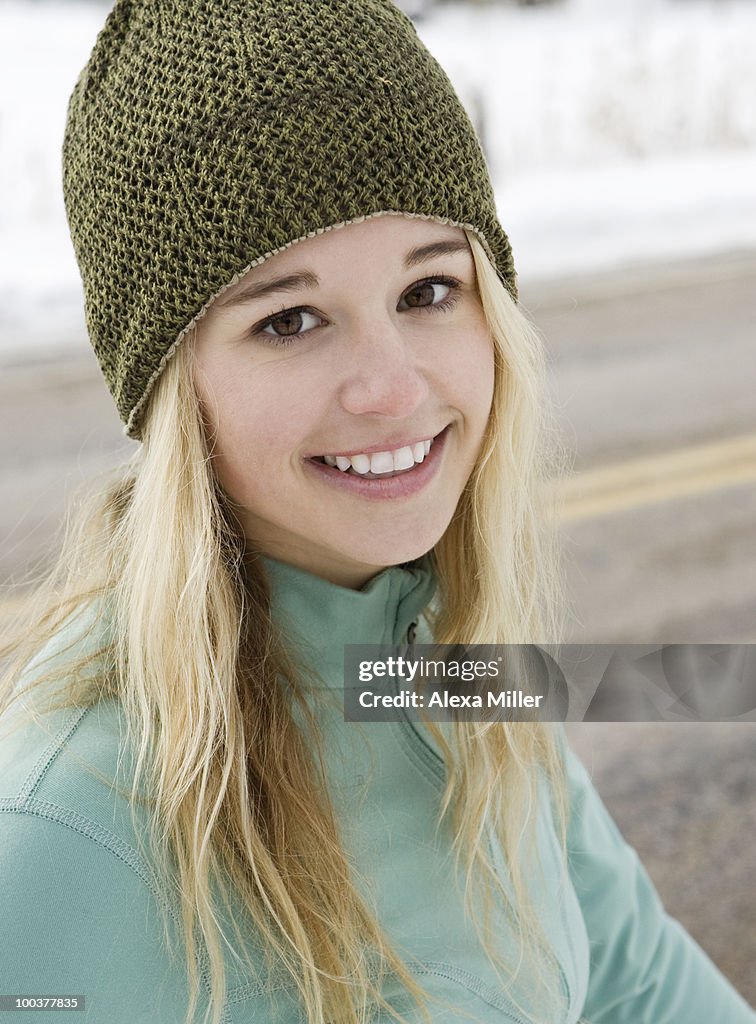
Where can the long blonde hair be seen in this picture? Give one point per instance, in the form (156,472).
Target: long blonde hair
(235,787)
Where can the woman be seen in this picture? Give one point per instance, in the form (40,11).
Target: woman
(305,308)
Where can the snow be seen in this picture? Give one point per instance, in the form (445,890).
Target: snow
(617,131)
(43,46)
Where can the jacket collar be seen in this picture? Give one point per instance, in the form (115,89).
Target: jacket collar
(321,617)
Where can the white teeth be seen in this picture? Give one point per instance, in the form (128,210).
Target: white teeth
(404,458)
(381,462)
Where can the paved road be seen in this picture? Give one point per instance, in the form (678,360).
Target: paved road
(654,373)
(684,795)
(655,376)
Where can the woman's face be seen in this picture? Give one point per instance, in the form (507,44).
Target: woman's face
(363,340)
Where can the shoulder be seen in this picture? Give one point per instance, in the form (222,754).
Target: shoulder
(69,768)
(82,912)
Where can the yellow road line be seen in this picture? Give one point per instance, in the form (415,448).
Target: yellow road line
(658,478)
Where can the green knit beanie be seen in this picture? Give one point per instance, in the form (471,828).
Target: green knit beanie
(204,136)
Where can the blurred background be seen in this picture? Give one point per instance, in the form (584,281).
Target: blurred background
(621,137)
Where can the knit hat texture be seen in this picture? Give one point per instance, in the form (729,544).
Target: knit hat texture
(204,136)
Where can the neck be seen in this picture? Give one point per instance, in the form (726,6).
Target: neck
(350,576)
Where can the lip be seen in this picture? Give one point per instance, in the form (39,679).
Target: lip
(386,446)
(389,488)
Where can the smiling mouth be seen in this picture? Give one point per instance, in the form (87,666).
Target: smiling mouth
(371,467)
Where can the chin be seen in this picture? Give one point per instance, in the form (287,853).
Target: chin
(398,545)
(391,554)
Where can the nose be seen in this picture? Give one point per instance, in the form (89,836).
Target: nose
(381,374)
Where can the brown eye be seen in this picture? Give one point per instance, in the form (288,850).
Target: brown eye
(289,323)
(421,295)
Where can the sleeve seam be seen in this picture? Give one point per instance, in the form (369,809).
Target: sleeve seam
(97,834)
(42,765)
(104,839)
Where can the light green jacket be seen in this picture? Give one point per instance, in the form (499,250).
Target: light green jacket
(79,907)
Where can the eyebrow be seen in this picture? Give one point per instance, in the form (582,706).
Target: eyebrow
(290,283)
(423,253)
(306,278)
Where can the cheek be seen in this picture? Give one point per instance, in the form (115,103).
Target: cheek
(260,423)
(471,373)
